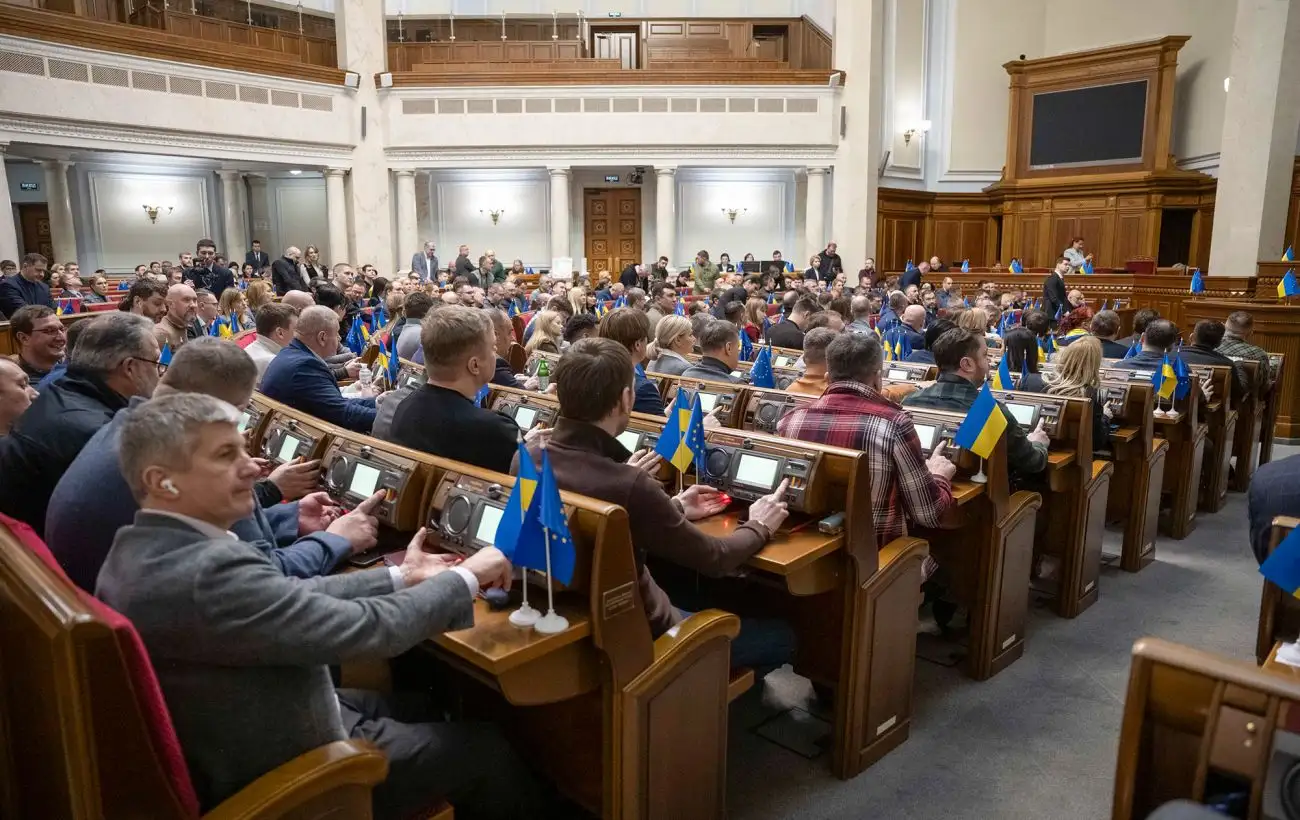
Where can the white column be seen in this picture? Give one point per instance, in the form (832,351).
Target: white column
(666,214)
(408,238)
(859,48)
(363,48)
(336,215)
(1260,121)
(815,213)
(259,216)
(560,247)
(8,233)
(234,243)
(62,232)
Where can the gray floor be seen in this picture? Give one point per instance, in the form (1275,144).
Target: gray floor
(1039,739)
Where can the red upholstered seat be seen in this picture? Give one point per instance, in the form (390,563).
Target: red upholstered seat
(148,694)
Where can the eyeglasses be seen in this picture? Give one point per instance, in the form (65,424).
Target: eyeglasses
(162,368)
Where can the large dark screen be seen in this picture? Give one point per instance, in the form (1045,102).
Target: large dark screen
(1099,125)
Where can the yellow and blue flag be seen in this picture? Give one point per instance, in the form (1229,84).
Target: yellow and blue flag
(1002,376)
(1282,567)
(355,341)
(761,375)
(682,440)
(1288,286)
(58,308)
(1164,379)
(1288,255)
(1016,267)
(1087,266)
(984,425)
(559,542)
(519,535)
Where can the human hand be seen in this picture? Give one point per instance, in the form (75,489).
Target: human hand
(700,501)
(1107,412)
(539,435)
(1038,436)
(419,565)
(1207,390)
(532,383)
(296,478)
(711,421)
(938,464)
(646,460)
(316,512)
(359,527)
(263,464)
(353,368)
(490,567)
(770,510)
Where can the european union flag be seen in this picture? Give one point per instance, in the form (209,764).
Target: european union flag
(512,310)
(761,375)
(1182,376)
(1164,380)
(1060,311)
(519,535)
(680,310)
(123,285)
(1016,267)
(480,398)
(165,355)
(909,266)
(1198,284)
(559,543)
(1002,376)
(746,346)
(1288,286)
(983,426)
(1104,303)
(965,266)
(355,341)
(1288,255)
(528,271)
(1133,350)
(1024,371)
(1282,567)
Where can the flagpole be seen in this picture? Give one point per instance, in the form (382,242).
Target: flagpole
(525,616)
(550,623)
(979,477)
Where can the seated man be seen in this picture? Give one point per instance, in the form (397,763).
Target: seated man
(299,377)
(1236,344)
(441,418)
(178,326)
(16,394)
(276,324)
(1141,318)
(116,358)
(932,333)
(720,352)
(963,369)
(1207,335)
(812,382)
(912,323)
(1160,337)
(145,298)
(92,500)
(505,336)
(789,331)
(594,383)
(631,328)
(1274,490)
(852,414)
(415,306)
(1105,326)
(42,340)
(241,651)
(861,311)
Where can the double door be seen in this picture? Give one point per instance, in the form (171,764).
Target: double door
(611,228)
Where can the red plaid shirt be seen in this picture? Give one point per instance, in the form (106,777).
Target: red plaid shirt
(853,416)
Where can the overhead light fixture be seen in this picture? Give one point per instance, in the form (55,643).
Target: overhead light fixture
(919,128)
(1226,82)
(732,213)
(495,214)
(153,211)
(295,172)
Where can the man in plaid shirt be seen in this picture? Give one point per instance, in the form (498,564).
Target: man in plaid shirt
(1236,344)
(853,414)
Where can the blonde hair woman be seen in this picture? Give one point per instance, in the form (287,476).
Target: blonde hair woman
(578,300)
(674,339)
(1077,373)
(259,293)
(548,333)
(974,319)
(233,301)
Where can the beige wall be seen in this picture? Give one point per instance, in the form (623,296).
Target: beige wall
(1004,29)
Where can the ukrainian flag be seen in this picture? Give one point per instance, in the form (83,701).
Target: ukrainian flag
(1002,376)
(1288,286)
(1165,380)
(1282,567)
(1288,255)
(683,436)
(514,539)
(983,426)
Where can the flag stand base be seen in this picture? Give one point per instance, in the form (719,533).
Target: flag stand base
(551,623)
(525,616)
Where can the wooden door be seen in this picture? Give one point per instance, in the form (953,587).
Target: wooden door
(35,221)
(615,44)
(612,227)
(770,47)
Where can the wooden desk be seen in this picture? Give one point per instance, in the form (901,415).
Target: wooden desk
(964,492)
(802,559)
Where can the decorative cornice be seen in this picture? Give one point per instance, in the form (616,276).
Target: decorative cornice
(90,134)
(596,154)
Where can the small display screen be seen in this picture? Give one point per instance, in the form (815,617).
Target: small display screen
(289,447)
(1022,413)
(244,419)
(525,416)
(897,374)
(487,524)
(925,432)
(629,439)
(364,480)
(757,471)
(707,401)
(785,361)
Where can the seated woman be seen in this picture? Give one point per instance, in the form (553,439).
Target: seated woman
(1078,373)
(674,340)
(234,304)
(1022,350)
(548,333)
(755,316)
(1073,325)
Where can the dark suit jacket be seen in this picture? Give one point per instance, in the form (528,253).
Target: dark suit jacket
(503,375)
(444,423)
(785,333)
(16,292)
(1054,294)
(258,259)
(214,279)
(1274,490)
(302,380)
(285,276)
(465,268)
(909,278)
(1112,350)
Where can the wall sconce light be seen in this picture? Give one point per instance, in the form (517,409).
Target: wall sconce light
(495,214)
(732,213)
(920,128)
(153,211)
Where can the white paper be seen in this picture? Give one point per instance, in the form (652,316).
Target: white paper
(562,266)
(1289,654)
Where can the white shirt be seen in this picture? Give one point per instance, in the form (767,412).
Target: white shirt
(262,350)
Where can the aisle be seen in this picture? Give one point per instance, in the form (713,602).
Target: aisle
(1038,741)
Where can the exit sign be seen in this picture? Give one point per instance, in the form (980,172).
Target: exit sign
(616,14)
(29,186)
(611,177)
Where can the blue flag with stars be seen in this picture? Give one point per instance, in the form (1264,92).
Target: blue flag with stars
(1198,284)
(746,346)
(761,375)
(355,341)
(480,398)
(553,520)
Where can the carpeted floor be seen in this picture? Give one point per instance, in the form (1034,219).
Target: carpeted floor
(1039,739)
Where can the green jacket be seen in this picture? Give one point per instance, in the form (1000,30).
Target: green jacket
(704,276)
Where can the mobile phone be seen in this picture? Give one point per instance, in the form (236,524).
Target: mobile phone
(366,559)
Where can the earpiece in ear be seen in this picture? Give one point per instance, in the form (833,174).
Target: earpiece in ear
(170,487)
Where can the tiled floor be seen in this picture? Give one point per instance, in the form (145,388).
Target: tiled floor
(1038,740)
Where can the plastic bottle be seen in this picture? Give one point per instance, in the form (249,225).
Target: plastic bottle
(543,375)
(363,376)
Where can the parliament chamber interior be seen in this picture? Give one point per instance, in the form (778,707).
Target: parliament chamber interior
(654,409)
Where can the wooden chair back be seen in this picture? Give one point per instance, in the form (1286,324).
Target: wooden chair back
(1279,612)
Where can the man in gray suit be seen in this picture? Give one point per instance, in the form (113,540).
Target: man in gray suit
(425,263)
(242,651)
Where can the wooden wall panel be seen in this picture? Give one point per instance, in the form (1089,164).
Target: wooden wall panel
(1293,213)
(1128,237)
(1027,247)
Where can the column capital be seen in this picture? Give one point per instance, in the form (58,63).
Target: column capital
(228,175)
(404,172)
(665,170)
(55,164)
(335,172)
(559,171)
(817,171)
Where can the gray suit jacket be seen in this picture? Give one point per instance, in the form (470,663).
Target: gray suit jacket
(420,264)
(242,651)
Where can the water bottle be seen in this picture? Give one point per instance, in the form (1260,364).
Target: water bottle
(543,375)
(363,376)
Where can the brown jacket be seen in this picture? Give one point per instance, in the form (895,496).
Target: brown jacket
(589,461)
(807,385)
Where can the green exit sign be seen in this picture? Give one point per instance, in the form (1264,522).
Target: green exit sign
(616,14)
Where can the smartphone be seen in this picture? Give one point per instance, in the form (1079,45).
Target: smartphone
(366,559)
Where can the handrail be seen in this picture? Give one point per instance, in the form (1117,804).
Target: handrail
(547,75)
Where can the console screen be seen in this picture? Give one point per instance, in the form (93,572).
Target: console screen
(897,374)
(244,419)
(525,416)
(1022,413)
(487,524)
(707,401)
(785,361)
(364,480)
(629,439)
(289,447)
(757,471)
(925,432)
